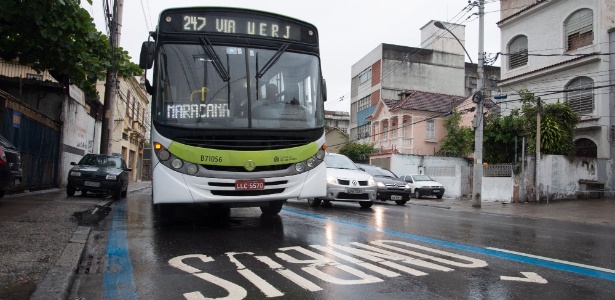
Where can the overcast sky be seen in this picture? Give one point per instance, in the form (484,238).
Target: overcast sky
(348,29)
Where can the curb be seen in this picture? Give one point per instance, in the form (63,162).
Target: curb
(58,281)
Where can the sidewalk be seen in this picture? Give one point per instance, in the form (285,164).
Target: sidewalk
(41,244)
(588,211)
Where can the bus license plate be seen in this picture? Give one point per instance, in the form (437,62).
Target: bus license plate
(355,191)
(255,184)
(395,197)
(92,184)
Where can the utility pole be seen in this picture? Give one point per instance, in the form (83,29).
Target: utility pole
(477,182)
(537,169)
(111,80)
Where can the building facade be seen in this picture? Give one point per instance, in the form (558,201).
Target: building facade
(337,119)
(562,51)
(131,123)
(438,67)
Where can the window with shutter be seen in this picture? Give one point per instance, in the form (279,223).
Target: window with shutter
(579,29)
(518,52)
(581,95)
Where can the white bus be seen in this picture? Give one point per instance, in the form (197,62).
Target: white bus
(237,109)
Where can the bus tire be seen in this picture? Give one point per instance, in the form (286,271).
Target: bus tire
(273,209)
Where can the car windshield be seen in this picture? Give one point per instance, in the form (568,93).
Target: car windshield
(378,172)
(339,162)
(422,178)
(101,161)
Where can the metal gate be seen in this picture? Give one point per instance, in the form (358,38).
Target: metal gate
(38,140)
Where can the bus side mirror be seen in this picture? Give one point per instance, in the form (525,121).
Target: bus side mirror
(324,89)
(146,59)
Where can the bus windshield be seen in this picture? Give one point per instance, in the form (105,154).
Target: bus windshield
(227,87)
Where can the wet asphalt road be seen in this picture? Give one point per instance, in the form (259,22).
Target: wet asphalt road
(342,252)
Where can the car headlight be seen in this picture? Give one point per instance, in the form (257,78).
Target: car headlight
(75,173)
(331,179)
(371,181)
(111,177)
(380,184)
(408,186)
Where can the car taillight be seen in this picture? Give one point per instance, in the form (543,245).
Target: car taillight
(3,160)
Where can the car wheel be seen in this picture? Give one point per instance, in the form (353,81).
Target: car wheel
(439,196)
(400,202)
(273,209)
(314,202)
(117,195)
(366,204)
(70,190)
(417,194)
(2,192)
(125,192)
(327,203)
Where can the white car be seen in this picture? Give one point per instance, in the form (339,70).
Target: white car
(423,185)
(345,182)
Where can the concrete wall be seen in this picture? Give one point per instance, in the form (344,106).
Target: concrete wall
(78,135)
(497,189)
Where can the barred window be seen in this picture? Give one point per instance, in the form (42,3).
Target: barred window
(385,131)
(518,52)
(364,103)
(581,95)
(579,29)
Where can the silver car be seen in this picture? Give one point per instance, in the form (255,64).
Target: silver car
(345,182)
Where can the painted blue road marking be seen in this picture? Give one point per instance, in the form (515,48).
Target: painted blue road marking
(485,251)
(118,282)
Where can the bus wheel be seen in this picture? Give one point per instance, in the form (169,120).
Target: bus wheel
(273,209)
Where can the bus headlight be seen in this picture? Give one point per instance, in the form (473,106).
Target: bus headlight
(164,154)
(300,167)
(192,169)
(177,163)
(311,162)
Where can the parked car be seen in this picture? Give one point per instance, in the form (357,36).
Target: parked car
(10,166)
(99,173)
(423,185)
(345,182)
(388,185)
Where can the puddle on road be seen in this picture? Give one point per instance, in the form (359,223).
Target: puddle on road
(91,217)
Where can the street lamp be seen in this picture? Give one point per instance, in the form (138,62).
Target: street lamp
(441,26)
(477,180)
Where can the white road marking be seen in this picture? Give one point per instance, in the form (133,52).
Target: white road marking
(269,290)
(292,276)
(529,277)
(554,260)
(234,290)
(472,262)
(359,262)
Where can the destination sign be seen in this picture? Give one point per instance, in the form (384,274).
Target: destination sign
(237,23)
(196,111)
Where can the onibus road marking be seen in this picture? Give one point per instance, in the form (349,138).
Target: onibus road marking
(392,254)
(527,277)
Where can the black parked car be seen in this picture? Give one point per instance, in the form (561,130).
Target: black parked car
(99,173)
(10,166)
(389,186)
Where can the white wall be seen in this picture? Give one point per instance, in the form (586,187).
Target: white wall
(78,135)
(497,189)
(415,164)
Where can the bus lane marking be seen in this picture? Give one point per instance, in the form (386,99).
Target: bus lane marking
(528,277)
(319,266)
(570,267)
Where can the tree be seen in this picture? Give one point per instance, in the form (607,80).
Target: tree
(59,36)
(557,125)
(357,152)
(459,140)
(499,137)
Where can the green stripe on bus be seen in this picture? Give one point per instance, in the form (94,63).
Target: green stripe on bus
(233,158)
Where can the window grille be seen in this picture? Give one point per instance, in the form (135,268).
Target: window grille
(431,130)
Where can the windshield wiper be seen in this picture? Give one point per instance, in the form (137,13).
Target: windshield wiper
(209,49)
(272,61)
